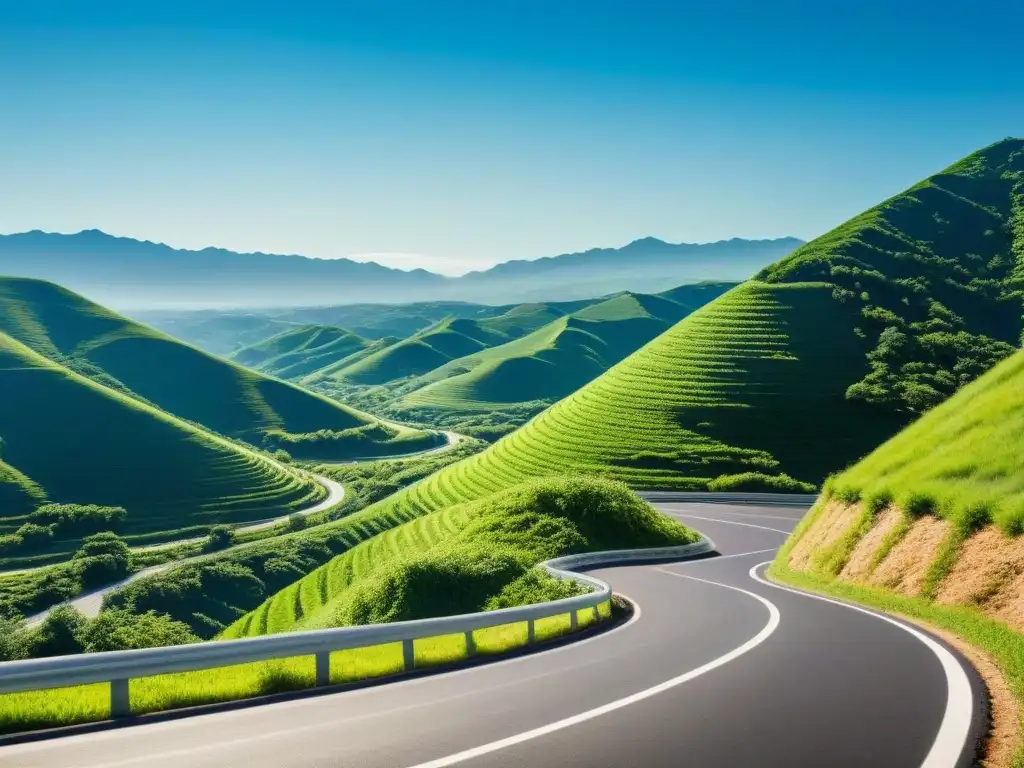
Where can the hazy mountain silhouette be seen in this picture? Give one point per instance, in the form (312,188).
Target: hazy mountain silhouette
(129,274)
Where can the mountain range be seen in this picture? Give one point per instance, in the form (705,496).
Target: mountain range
(132,274)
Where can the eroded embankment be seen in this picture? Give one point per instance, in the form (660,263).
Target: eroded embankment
(941,569)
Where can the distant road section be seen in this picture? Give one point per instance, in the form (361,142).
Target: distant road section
(715,668)
(90,603)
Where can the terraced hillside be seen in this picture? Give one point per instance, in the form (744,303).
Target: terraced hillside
(554,360)
(768,380)
(785,376)
(469,557)
(68,439)
(170,375)
(295,353)
(445,341)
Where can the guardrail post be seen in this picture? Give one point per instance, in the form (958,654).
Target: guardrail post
(470,644)
(120,699)
(323,668)
(409,655)
(531,632)
(574,620)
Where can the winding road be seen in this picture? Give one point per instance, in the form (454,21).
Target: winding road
(716,667)
(90,603)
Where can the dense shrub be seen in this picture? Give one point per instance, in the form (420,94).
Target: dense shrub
(14,641)
(79,518)
(121,629)
(221,537)
(33,533)
(488,561)
(60,634)
(759,482)
(103,558)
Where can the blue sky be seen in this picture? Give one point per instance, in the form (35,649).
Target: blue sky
(455,134)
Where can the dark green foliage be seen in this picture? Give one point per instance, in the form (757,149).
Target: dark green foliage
(14,641)
(221,537)
(102,559)
(372,439)
(485,562)
(117,630)
(759,482)
(79,519)
(59,635)
(936,272)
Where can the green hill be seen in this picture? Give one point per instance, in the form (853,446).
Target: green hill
(442,342)
(295,353)
(469,557)
(786,376)
(769,379)
(554,360)
(68,439)
(169,374)
(963,459)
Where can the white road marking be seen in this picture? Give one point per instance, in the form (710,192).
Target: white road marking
(956,721)
(756,640)
(269,735)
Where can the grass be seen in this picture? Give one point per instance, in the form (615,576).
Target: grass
(97,409)
(300,351)
(90,703)
(465,558)
(1002,644)
(962,460)
(553,361)
(77,441)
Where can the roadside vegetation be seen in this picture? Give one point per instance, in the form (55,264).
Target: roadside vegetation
(116,451)
(468,557)
(929,525)
(478,556)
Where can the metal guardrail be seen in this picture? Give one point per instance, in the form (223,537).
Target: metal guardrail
(755,499)
(118,667)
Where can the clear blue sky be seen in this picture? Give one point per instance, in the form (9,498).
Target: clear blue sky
(465,132)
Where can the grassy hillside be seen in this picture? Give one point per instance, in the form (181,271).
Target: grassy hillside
(469,557)
(761,383)
(963,460)
(423,352)
(68,439)
(554,360)
(300,351)
(170,375)
(905,309)
(929,524)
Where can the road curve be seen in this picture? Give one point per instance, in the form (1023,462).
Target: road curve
(90,603)
(716,668)
(451,439)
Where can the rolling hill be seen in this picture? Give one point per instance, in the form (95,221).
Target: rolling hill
(465,558)
(556,359)
(133,274)
(794,375)
(68,439)
(172,376)
(441,343)
(850,337)
(301,351)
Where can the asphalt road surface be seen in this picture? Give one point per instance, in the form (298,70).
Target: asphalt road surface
(716,668)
